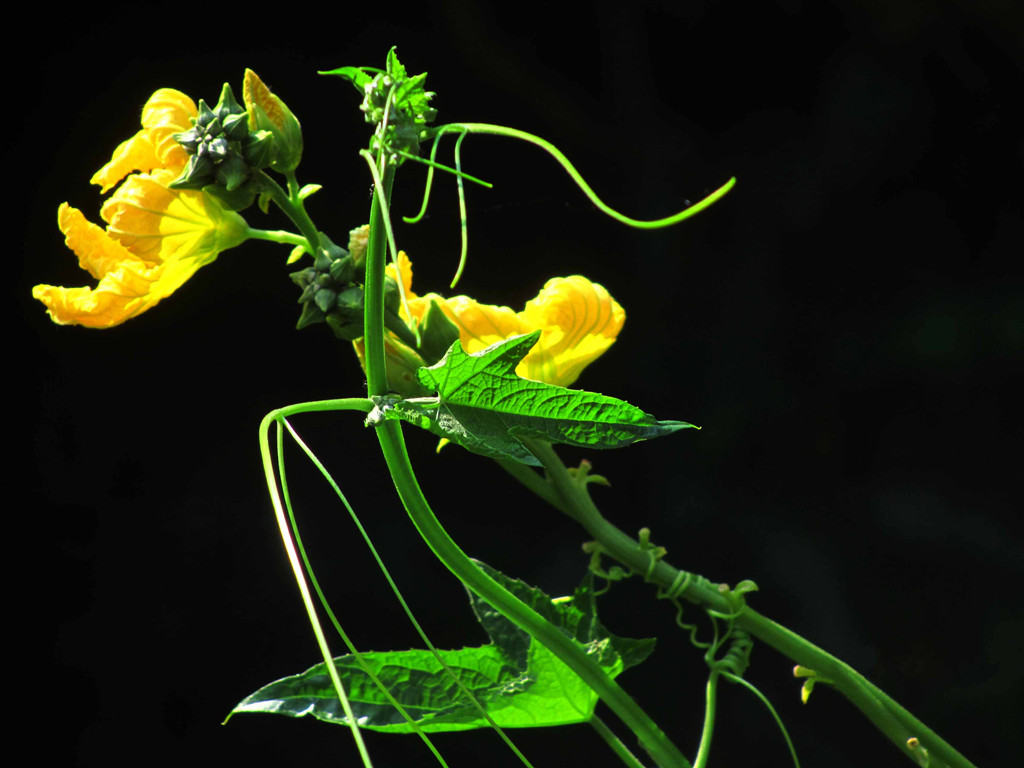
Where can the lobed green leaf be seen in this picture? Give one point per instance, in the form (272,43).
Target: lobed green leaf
(484,406)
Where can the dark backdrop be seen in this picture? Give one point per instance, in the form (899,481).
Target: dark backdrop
(847,326)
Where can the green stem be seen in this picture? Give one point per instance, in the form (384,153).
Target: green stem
(293,209)
(277,236)
(373,289)
(535,483)
(899,725)
(447,551)
(886,714)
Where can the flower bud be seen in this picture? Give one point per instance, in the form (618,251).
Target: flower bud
(266,112)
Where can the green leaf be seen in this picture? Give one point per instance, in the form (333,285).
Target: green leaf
(518,681)
(576,617)
(394,66)
(484,406)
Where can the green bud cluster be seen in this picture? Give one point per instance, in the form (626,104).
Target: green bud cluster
(328,288)
(394,102)
(332,294)
(224,153)
(403,126)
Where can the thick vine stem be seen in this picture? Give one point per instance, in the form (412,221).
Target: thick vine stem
(907,732)
(389,433)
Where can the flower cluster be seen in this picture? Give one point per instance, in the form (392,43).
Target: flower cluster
(578,320)
(156,236)
(179,182)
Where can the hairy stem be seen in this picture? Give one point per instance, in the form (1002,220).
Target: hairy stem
(899,725)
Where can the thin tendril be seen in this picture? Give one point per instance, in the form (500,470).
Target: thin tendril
(462,211)
(441,167)
(359,658)
(296,566)
(408,612)
(561,159)
(764,700)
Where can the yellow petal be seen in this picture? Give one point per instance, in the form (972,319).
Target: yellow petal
(164,237)
(481,325)
(165,113)
(97,253)
(120,295)
(255,92)
(127,285)
(130,288)
(405,269)
(163,224)
(137,153)
(579,320)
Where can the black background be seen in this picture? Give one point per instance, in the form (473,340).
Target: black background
(847,326)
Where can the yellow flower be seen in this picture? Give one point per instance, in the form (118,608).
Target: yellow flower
(156,237)
(578,319)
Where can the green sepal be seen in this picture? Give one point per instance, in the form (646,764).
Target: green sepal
(358,76)
(263,203)
(437,333)
(234,200)
(285,151)
(296,253)
(516,679)
(485,407)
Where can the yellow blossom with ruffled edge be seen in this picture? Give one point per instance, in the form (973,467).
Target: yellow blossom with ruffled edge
(156,237)
(578,320)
